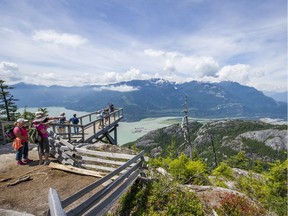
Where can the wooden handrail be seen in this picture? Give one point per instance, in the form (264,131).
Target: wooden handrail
(117,115)
(101,205)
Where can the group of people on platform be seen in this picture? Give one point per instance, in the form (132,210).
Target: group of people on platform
(103,114)
(41,123)
(62,120)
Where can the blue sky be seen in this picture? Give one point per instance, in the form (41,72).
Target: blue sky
(79,42)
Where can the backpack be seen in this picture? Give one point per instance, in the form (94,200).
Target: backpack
(10,134)
(34,136)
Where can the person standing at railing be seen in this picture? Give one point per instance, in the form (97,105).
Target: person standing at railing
(111,109)
(75,122)
(100,115)
(41,123)
(62,120)
(106,115)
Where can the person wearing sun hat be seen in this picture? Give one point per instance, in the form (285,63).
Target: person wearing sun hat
(41,123)
(21,142)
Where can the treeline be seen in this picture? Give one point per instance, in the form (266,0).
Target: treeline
(264,185)
(265,192)
(214,141)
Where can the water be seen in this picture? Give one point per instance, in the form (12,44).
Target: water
(55,111)
(127,131)
(131,131)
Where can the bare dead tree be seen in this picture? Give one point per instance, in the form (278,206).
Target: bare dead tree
(214,150)
(185,128)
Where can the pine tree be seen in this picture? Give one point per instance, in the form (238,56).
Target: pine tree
(8,107)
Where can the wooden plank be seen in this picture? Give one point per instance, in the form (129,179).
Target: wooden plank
(54,203)
(107,203)
(99,160)
(76,170)
(69,145)
(83,207)
(96,167)
(60,155)
(90,187)
(105,154)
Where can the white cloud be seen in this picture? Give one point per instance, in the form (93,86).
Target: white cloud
(121,88)
(153,53)
(237,73)
(49,45)
(10,72)
(192,66)
(113,77)
(51,36)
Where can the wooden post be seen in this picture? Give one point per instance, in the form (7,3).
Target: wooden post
(115,135)
(3,140)
(54,203)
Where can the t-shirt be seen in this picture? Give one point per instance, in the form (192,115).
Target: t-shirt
(23,132)
(62,120)
(41,127)
(74,120)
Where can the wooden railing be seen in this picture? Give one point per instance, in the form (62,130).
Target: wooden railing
(103,200)
(118,172)
(90,126)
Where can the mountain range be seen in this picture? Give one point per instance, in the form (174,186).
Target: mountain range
(156,98)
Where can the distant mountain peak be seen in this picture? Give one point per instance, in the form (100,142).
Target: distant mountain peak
(156,98)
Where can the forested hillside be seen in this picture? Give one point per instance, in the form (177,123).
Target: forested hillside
(238,167)
(156,98)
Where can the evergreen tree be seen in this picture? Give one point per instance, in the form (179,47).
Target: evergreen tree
(8,107)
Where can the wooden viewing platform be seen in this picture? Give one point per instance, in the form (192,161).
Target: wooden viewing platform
(92,128)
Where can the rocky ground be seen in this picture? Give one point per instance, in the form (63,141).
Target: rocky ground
(31,197)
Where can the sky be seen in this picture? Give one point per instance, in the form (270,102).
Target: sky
(84,42)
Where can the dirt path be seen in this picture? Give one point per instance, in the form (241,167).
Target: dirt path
(31,197)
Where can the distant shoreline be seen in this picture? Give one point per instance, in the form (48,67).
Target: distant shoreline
(126,130)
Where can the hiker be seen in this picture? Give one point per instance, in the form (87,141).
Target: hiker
(20,143)
(111,107)
(41,123)
(100,116)
(62,120)
(75,122)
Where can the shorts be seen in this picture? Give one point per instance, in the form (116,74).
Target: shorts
(43,146)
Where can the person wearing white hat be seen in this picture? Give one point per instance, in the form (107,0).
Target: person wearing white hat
(22,139)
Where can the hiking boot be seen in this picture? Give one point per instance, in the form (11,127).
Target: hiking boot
(27,160)
(20,163)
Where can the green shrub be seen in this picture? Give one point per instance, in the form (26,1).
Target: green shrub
(183,170)
(239,161)
(223,170)
(271,191)
(186,171)
(160,197)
